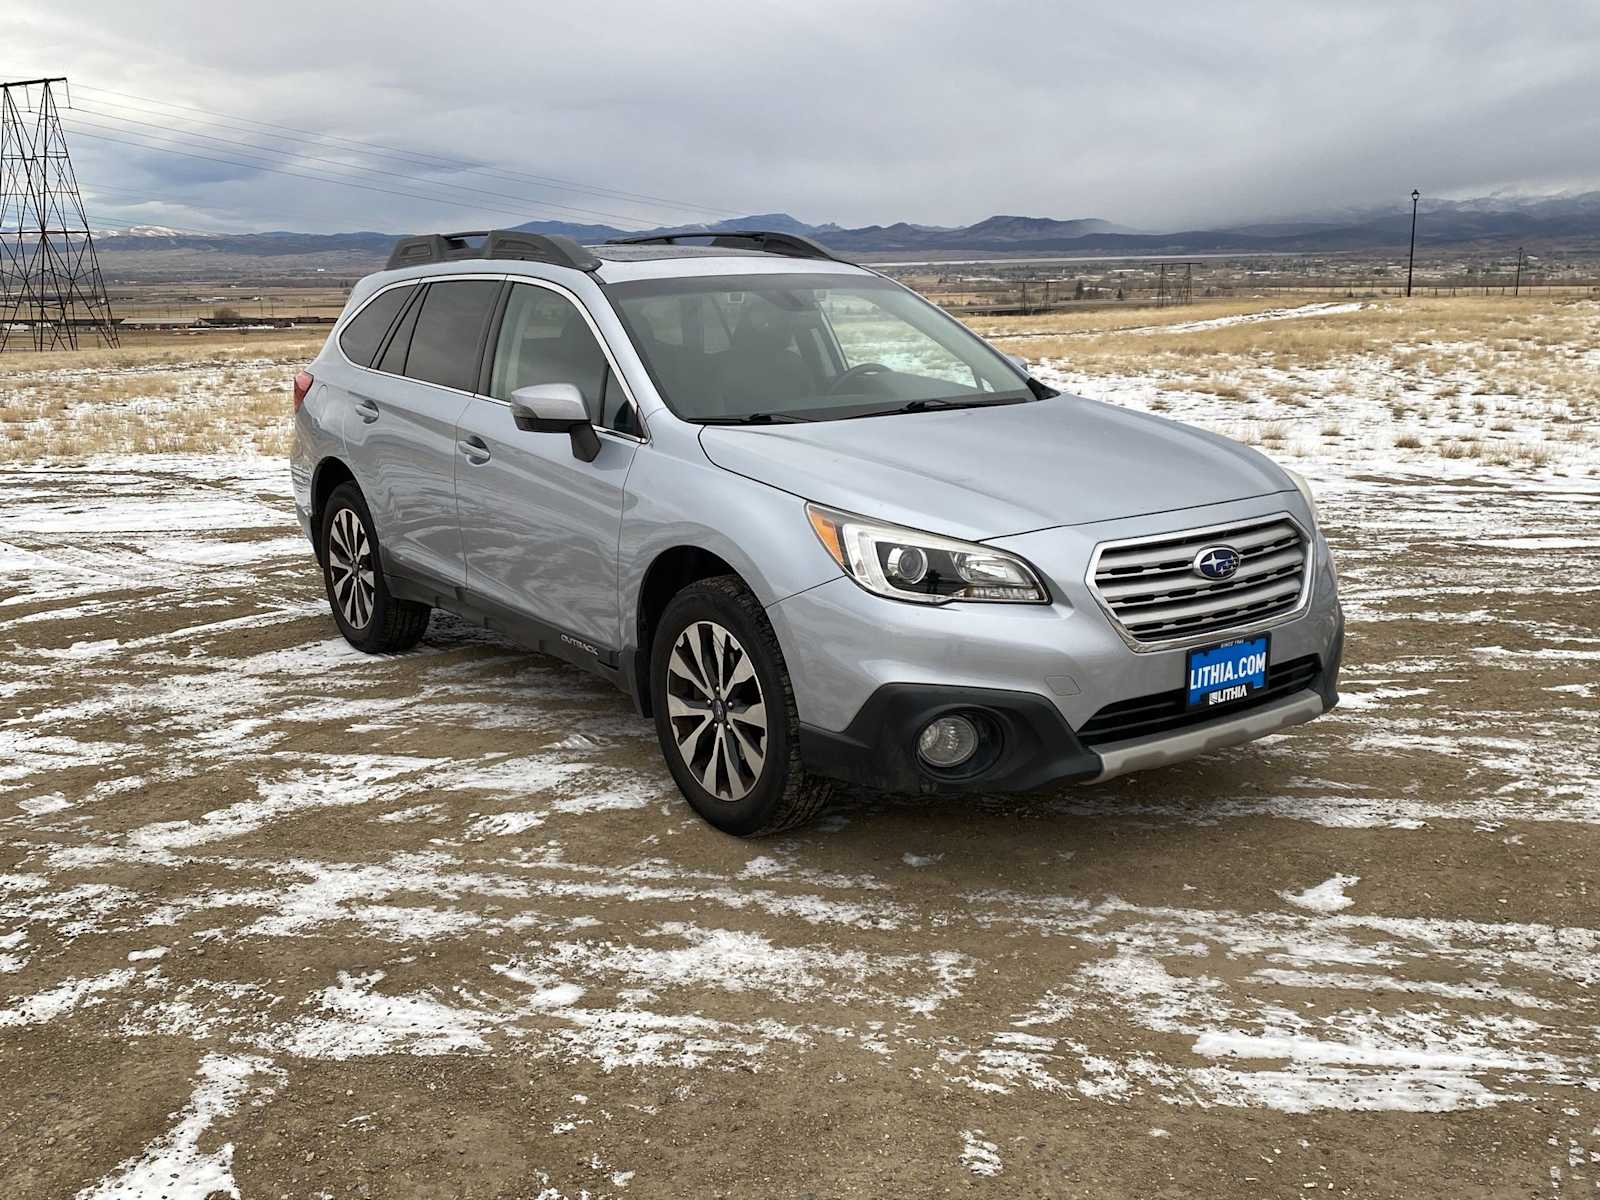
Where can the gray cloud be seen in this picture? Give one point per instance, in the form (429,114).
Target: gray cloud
(1161,115)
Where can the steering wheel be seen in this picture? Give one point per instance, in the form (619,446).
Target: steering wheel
(859,371)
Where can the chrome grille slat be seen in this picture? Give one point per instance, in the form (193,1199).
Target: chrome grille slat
(1162,614)
(1151,591)
(1183,549)
(1186,582)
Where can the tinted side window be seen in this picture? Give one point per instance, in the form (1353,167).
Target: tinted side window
(393,360)
(444,345)
(545,339)
(361,337)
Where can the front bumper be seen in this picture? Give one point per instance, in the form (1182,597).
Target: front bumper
(868,673)
(1036,748)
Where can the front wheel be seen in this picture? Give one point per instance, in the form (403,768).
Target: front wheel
(370,616)
(725,713)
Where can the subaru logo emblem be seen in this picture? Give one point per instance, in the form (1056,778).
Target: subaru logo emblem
(1216,562)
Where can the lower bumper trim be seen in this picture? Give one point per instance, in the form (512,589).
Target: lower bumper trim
(1137,754)
(878,749)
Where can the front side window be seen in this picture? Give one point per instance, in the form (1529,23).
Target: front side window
(545,339)
(807,348)
(448,339)
(362,336)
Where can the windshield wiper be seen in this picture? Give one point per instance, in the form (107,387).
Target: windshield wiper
(755,418)
(931,403)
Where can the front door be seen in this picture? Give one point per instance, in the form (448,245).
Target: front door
(540,526)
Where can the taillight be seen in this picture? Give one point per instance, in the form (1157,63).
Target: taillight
(302,385)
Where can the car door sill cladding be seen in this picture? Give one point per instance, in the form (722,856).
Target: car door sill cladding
(410,584)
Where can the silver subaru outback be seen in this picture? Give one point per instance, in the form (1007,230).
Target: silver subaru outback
(817,529)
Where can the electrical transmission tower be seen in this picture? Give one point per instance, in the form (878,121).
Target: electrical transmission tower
(50,282)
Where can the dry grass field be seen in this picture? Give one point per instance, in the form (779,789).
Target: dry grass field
(165,394)
(1492,380)
(281,920)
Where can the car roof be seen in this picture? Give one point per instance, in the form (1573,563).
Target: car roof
(624,263)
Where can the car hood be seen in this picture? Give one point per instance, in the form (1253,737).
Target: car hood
(979,473)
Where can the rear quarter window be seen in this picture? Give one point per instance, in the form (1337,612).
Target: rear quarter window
(361,338)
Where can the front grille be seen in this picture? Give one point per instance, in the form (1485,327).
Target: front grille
(1152,591)
(1165,712)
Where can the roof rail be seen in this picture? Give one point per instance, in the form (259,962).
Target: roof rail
(791,245)
(497,243)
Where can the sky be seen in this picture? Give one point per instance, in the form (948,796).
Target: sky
(1158,116)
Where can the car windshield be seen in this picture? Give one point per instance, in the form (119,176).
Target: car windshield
(769,348)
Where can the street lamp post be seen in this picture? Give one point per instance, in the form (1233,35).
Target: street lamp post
(1411,263)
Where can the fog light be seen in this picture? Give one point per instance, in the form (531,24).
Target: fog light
(948,741)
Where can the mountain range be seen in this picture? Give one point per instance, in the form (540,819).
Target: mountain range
(1567,219)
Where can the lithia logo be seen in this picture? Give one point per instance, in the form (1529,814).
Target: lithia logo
(584,646)
(1216,562)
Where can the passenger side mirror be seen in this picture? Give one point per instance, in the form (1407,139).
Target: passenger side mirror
(556,408)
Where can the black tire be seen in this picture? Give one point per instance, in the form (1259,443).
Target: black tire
(391,624)
(781,795)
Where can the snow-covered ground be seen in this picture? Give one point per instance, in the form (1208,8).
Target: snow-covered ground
(333,920)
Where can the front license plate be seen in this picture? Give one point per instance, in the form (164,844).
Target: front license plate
(1226,673)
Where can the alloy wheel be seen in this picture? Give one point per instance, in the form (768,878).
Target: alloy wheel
(717,711)
(350,568)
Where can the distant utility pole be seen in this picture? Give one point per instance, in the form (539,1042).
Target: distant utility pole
(1516,289)
(1412,261)
(50,281)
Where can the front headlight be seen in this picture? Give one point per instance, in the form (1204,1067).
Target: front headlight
(905,564)
(1305,489)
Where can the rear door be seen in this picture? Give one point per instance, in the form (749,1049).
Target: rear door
(540,526)
(401,431)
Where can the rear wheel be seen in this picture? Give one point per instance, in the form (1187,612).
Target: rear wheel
(725,713)
(367,613)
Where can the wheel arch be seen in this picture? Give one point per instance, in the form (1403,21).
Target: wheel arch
(669,572)
(331,472)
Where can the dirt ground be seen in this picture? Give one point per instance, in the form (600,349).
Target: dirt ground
(280,920)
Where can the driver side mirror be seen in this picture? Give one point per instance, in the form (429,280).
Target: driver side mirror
(1020,363)
(556,408)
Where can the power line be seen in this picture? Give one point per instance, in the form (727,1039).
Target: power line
(365,187)
(186,138)
(414,156)
(422,160)
(145,196)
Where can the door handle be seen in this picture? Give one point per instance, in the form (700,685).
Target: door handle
(366,409)
(475,448)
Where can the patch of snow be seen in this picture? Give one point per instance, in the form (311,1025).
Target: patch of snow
(979,1155)
(1326,897)
(63,998)
(173,1167)
(39,806)
(357,1021)
(502,824)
